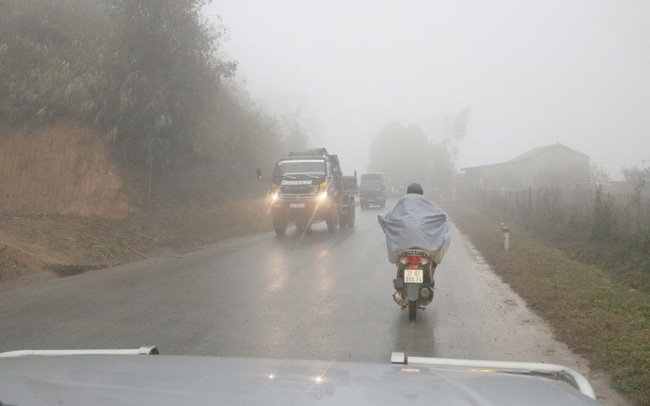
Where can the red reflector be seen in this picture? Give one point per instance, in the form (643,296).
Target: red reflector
(413,266)
(413,259)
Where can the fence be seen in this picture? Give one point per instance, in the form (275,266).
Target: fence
(604,215)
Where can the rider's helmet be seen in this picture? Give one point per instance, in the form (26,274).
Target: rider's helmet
(415,188)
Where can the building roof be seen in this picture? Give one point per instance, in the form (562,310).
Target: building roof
(536,151)
(528,155)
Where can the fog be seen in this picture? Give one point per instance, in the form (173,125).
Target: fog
(533,73)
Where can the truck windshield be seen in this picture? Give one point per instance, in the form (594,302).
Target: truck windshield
(370,186)
(372,177)
(300,166)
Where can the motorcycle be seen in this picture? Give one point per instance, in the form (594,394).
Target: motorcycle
(414,282)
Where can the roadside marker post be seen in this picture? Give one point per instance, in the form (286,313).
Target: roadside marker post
(506,237)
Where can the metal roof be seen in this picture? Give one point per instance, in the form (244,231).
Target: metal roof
(528,155)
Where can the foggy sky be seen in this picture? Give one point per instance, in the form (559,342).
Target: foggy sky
(533,73)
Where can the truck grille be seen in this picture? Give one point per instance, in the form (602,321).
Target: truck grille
(299,190)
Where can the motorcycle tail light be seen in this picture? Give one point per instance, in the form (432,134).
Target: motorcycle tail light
(414,259)
(413,266)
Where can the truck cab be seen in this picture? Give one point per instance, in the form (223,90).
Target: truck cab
(372,190)
(309,187)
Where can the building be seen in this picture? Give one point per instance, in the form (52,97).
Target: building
(550,166)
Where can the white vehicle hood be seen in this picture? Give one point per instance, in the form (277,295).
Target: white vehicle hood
(186,380)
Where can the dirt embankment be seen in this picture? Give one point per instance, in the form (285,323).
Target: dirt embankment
(48,177)
(62,170)
(64,209)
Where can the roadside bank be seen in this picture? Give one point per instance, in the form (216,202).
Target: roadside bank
(38,247)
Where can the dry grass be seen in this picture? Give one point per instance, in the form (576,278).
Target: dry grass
(606,322)
(60,169)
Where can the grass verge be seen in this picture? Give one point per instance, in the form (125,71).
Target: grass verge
(606,322)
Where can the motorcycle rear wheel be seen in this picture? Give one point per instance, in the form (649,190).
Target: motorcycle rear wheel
(412,310)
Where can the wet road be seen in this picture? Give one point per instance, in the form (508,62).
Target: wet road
(317,296)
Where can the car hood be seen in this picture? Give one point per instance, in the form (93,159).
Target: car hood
(186,380)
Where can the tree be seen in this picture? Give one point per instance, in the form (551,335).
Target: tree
(165,78)
(598,174)
(294,133)
(636,175)
(406,155)
(454,130)
(48,60)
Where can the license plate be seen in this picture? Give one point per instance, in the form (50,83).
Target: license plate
(413,276)
(297,205)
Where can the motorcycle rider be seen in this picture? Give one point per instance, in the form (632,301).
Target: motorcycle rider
(415,222)
(414,188)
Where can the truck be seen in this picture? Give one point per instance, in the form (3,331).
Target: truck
(372,190)
(309,187)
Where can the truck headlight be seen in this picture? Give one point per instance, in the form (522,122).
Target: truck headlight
(322,195)
(274,196)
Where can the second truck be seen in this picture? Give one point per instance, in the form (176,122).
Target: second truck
(309,187)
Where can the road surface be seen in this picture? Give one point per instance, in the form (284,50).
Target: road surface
(313,296)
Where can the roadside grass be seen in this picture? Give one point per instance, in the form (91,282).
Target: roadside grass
(625,260)
(600,318)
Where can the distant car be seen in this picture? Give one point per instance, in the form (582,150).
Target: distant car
(372,190)
(110,377)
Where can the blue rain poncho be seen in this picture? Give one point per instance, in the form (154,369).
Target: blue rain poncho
(415,222)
